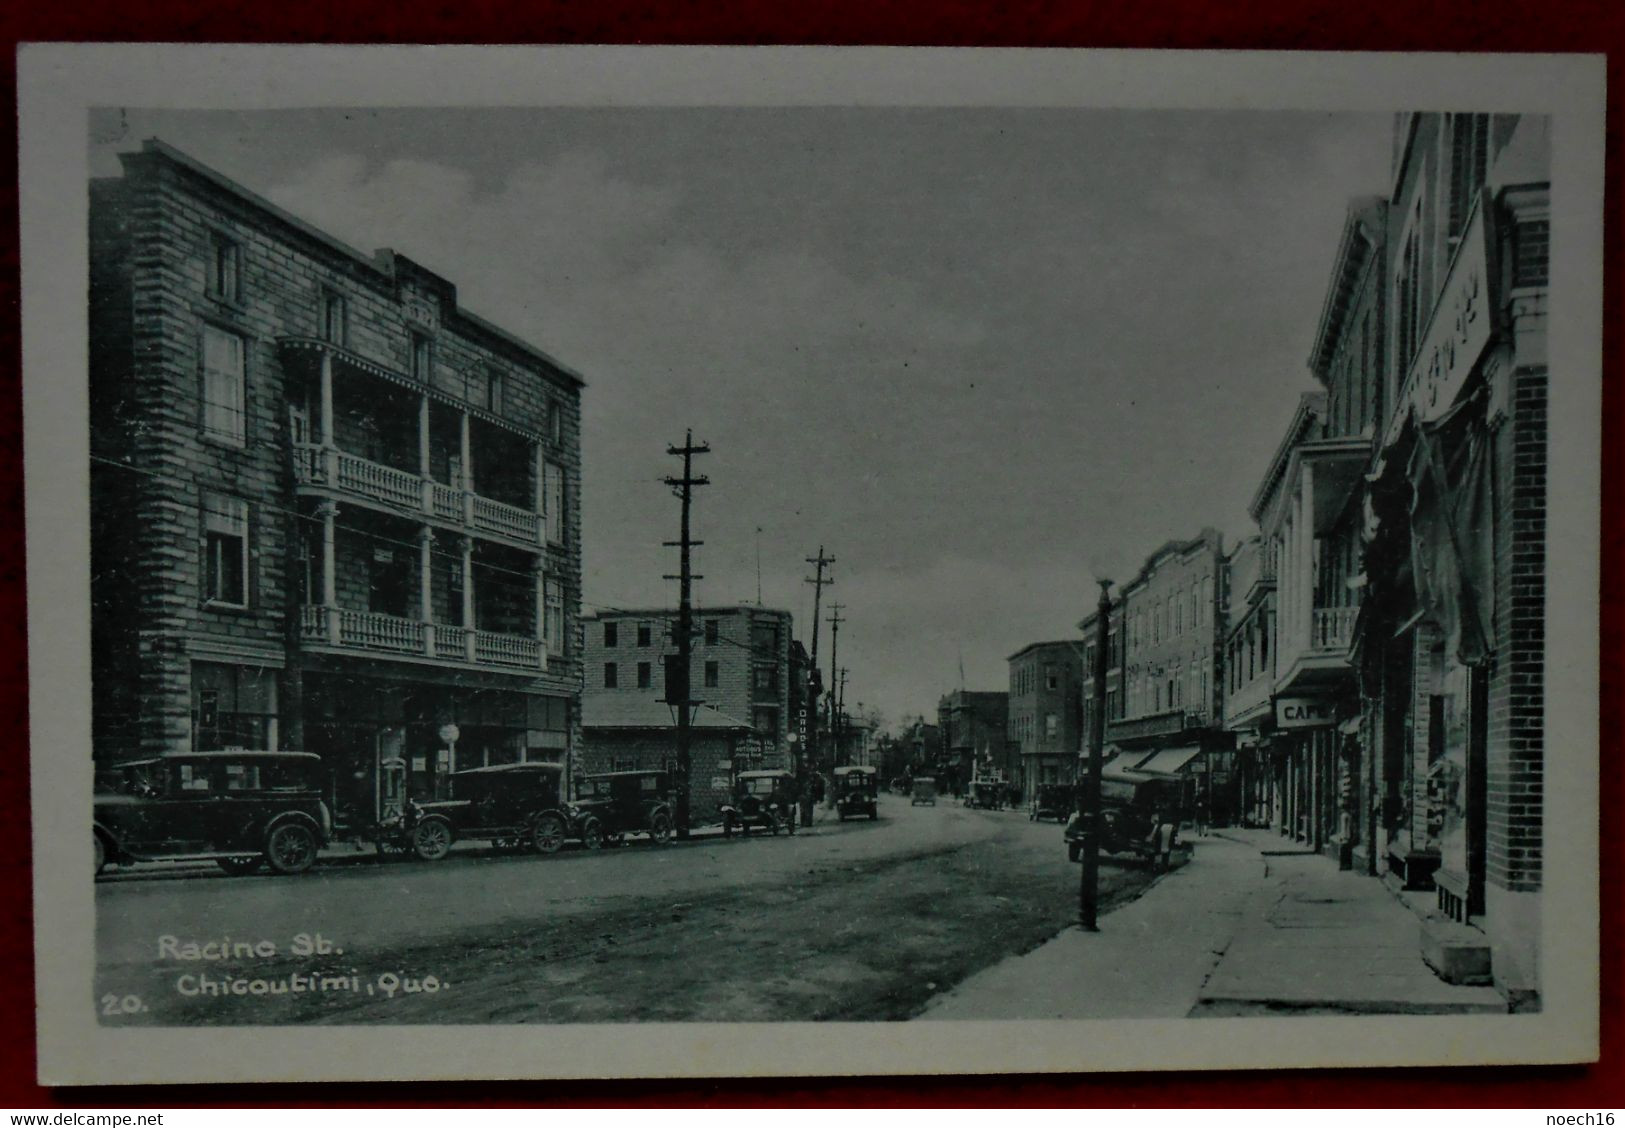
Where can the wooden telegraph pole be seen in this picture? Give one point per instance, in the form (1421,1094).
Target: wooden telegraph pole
(835,622)
(678,693)
(814,690)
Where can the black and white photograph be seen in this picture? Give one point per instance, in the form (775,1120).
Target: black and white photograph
(594,573)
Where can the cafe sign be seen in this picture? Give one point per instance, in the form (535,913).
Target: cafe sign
(1303,713)
(1460,328)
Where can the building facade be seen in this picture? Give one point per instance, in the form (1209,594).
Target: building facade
(331,510)
(1249,680)
(1114,674)
(1171,616)
(742,665)
(1450,643)
(974,726)
(1047,684)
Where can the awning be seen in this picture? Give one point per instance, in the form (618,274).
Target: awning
(1169,761)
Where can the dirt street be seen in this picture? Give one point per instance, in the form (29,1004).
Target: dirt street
(855,921)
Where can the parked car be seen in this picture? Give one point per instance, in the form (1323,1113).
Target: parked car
(1138,815)
(987,794)
(857,791)
(610,806)
(765,799)
(515,806)
(925,791)
(1056,801)
(239,809)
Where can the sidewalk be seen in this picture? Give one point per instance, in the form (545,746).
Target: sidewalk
(1251,925)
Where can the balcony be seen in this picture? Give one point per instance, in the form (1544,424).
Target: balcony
(342,473)
(1322,659)
(368,632)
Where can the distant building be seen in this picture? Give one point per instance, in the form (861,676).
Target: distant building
(1172,616)
(742,665)
(974,726)
(1249,678)
(1046,711)
(1114,673)
(626,732)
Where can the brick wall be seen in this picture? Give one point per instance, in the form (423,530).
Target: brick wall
(1516,709)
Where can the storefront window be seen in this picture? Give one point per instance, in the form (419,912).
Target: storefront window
(1447,765)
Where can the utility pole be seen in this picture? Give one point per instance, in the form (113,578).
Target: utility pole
(1089,793)
(835,622)
(678,692)
(840,715)
(814,689)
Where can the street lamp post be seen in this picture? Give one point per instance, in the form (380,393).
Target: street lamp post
(1089,793)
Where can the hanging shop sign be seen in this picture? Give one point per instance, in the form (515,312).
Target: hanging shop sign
(1303,712)
(1460,328)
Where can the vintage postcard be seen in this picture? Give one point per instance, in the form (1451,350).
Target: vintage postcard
(718,562)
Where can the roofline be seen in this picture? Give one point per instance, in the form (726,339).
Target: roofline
(1170,548)
(1346,267)
(1040,645)
(375,264)
(648,612)
(1310,404)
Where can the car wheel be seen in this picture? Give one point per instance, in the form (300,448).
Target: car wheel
(660,828)
(548,834)
(239,866)
(774,823)
(431,839)
(1073,853)
(291,848)
(592,834)
(727,827)
(101,852)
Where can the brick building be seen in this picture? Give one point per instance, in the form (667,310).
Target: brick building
(1047,682)
(1449,645)
(330,509)
(1171,615)
(743,666)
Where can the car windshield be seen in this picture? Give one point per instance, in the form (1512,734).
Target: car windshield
(760,785)
(857,781)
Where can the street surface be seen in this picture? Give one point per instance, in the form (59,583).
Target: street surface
(855,921)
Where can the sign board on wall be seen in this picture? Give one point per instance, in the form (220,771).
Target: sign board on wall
(1460,328)
(1303,712)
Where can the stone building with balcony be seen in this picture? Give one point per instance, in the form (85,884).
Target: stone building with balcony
(332,510)
(1171,616)
(744,667)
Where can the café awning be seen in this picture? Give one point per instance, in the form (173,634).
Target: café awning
(1170,761)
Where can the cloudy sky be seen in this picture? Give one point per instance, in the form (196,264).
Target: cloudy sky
(976,355)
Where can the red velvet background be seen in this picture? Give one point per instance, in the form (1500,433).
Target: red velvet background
(1444,25)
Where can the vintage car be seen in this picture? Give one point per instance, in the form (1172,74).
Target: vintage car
(610,806)
(924,791)
(765,799)
(1056,801)
(1139,815)
(857,790)
(514,806)
(988,794)
(238,809)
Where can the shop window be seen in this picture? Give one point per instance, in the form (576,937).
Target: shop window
(224,386)
(232,707)
(225,550)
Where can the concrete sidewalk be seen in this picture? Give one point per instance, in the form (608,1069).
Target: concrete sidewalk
(1252,924)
